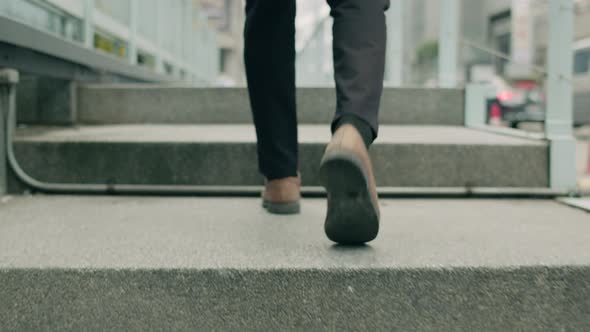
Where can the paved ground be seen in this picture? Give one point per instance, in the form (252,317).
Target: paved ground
(153,232)
(192,264)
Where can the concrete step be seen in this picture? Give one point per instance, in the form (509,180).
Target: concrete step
(129,104)
(225,155)
(143,264)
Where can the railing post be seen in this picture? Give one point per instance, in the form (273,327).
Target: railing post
(89,23)
(475,104)
(3,157)
(8,80)
(395,43)
(132,42)
(559,121)
(448,43)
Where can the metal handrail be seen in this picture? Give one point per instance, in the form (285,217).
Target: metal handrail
(501,55)
(316,31)
(104,188)
(75,188)
(507,57)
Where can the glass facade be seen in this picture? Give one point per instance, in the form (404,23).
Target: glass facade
(172,36)
(44,16)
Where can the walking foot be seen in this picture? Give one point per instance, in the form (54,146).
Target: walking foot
(282,196)
(346,173)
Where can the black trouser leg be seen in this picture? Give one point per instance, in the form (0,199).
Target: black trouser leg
(359,62)
(269,56)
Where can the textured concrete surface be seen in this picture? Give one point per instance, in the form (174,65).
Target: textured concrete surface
(580,203)
(404,156)
(46,101)
(121,104)
(152,232)
(129,263)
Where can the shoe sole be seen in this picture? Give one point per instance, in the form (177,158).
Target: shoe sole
(352,218)
(282,208)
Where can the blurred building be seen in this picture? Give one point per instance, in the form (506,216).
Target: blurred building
(227,18)
(200,41)
(171,37)
(517,28)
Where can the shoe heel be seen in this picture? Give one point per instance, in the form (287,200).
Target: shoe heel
(283,209)
(352,218)
(342,173)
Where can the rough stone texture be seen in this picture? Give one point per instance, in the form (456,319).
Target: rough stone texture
(530,299)
(404,156)
(130,263)
(48,101)
(124,104)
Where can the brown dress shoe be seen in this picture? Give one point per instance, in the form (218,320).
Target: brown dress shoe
(347,174)
(282,196)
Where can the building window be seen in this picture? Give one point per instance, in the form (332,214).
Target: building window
(45,17)
(168,68)
(223,58)
(146,60)
(110,44)
(582,62)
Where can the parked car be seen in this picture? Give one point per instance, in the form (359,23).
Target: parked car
(523,101)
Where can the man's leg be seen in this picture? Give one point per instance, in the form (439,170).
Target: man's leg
(345,170)
(359,62)
(269,56)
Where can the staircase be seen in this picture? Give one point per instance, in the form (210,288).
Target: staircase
(72,263)
(204,137)
(221,263)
